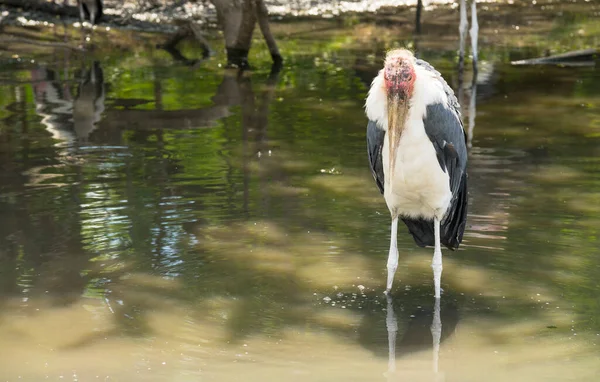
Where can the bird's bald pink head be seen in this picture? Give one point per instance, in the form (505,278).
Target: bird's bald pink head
(399,73)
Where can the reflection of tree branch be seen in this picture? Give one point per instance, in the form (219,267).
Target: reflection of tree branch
(248,111)
(65,82)
(161,180)
(267,98)
(229,93)
(170,119)
(51,44)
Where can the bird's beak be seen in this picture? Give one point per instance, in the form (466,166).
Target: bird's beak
(397,113)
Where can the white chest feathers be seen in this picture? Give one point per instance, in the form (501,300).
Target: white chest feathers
(418,186)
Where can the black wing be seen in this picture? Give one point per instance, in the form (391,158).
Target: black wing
(444,128)
(375,137)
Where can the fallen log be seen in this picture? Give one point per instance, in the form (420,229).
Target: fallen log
(585,57)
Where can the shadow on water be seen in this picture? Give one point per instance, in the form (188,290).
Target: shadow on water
(205,210)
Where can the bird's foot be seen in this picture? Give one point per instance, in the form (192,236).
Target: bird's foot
(391,268)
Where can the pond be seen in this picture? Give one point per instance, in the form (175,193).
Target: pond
(161,221)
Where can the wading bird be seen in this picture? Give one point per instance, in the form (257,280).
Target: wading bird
(90,10)
(418,155)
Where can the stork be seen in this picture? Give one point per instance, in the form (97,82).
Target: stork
(90,10)
(418,156)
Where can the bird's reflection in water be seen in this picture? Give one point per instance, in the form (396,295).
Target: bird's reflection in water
(436,334)
(423,330)
(472,87)
(391,324)
(88,105)
(69,119)
(408,326)
(472,101)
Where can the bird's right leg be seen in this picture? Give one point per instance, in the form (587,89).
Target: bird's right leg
(392,263)
(436,263)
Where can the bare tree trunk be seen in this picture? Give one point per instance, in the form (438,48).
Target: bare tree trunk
(238,55)
(237,19)
(263,22)
(244,38)
(229,17)
(418,17)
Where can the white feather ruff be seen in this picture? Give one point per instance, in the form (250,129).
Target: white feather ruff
(376,104)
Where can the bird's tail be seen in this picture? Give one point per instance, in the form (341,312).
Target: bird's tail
(452,227)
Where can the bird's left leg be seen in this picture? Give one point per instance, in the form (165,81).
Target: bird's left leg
(392,263)
(436,264)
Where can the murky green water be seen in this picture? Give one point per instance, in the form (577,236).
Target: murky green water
(169,223)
